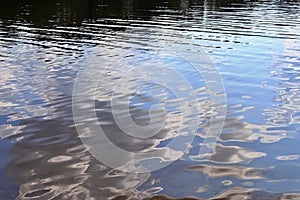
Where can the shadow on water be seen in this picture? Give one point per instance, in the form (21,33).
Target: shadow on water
(50,162)
(73,13)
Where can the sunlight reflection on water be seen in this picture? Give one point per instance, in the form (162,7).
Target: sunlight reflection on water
(254,45)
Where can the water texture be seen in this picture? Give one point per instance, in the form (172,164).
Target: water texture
(255,46)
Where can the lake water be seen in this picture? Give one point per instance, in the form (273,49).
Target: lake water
(62,61)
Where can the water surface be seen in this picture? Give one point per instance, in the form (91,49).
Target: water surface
(254,44)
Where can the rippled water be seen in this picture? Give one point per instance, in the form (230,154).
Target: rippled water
(255,45)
